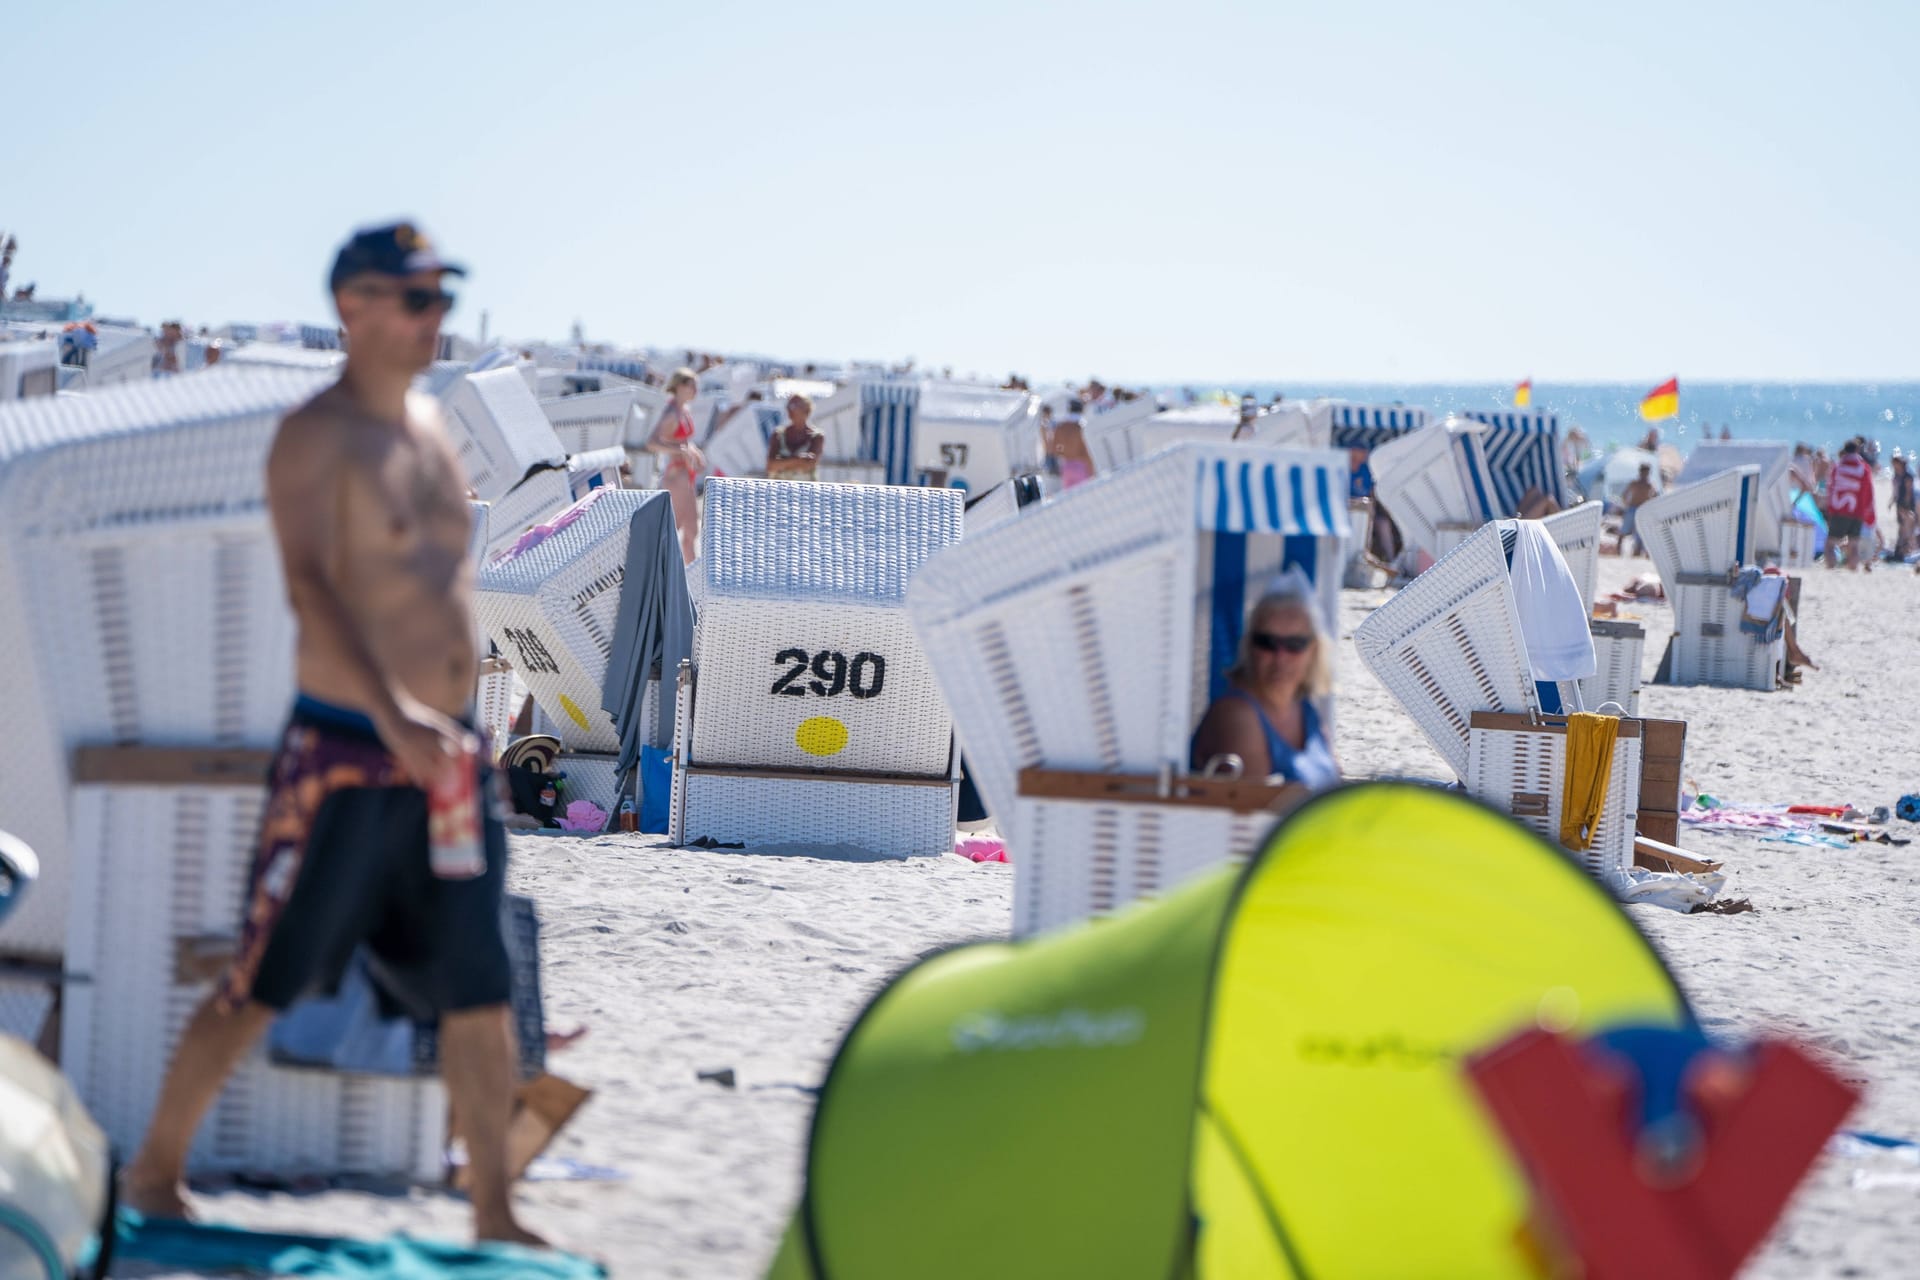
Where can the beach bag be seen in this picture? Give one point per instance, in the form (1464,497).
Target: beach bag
(355,1031)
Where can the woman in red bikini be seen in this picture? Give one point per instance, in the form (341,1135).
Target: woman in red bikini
(673,437)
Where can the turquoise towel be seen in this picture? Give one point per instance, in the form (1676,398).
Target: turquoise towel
(210,1250)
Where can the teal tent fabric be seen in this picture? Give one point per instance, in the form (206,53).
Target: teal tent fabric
(213,1251)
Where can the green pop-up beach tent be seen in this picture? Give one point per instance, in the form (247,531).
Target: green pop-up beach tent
(1258,1075)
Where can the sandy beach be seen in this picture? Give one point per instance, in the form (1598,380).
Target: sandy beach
(685,962)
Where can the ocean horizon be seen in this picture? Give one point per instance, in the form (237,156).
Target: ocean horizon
(1821,414)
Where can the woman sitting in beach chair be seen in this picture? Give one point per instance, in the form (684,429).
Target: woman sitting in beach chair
(1267,719)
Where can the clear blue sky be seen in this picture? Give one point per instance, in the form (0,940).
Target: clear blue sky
(1173,191)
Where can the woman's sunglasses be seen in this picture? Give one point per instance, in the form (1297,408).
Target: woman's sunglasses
(415,301)
(1267,642)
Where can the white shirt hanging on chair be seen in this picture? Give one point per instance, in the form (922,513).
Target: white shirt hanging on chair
(1552,607)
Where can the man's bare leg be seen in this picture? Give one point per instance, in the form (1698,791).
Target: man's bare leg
(154,1182)
(477,1058)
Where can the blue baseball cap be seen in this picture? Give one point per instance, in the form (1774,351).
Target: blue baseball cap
(400,249)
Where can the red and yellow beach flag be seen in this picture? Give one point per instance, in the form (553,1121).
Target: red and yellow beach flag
(1523,394)
(1661,402)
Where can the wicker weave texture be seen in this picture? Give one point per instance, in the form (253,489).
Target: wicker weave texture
(538,499)
(1417,480)
(592,777)
(156,864)
(140,598)
(1505,763)
(499,431)
(1616,676)
(877,818)
(1796,545)
(1449,644)
(552,611)
(1695,529)
(1710,648)
(1078,859)
(1576,531)
(794,541)
(816,685)
(590,421)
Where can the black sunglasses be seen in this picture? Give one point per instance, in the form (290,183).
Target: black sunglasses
(415,301)
(1267,642)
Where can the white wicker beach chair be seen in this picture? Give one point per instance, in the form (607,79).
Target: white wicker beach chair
(499,430)
(1450,650)
(1522,452)
(538,498)
(739,448)
(1004,501)
(591,422)
(1092,633)
(1115,437)
(1696,536)
(1519,765)
(1448,644)
(140,592)
(1434,483)
(810,714)
(597,470)
(28,368)
(551,611)
(1617,643)
(155,868)
(1776,490)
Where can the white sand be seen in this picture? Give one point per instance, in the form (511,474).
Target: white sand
(691,961)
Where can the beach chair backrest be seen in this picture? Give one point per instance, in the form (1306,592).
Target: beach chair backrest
(590,421)
(1449,644)
(1088,634)
(141,597)
(1521,450)
(551,609)
(1434,484)
(805,657)
(1347,425)
(532,501)
(1576,531)
(970,437)
(1702,529)
(498,430)
(1776,486)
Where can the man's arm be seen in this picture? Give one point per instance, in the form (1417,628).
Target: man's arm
(306,477)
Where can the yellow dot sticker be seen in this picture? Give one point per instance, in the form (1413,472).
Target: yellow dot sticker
(573,710)
(821,736)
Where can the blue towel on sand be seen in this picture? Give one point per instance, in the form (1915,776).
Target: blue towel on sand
(209,1250)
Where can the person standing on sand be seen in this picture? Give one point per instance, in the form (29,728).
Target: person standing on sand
(1904,513)
(1849,505)
(1638,490)
(369,506)
(674,437)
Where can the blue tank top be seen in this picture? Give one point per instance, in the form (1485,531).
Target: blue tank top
(1312,765)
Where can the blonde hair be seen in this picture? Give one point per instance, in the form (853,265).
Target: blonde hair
(802,397)
(1318,682)
(680,376)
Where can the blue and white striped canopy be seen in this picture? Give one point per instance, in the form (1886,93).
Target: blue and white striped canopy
(1301,499)
(887,411)
(625,366)
(1368,426)
(1522,452)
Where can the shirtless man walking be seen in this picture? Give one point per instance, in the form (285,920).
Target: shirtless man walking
(369,506)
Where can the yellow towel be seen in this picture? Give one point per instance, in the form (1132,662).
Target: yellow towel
(1589,769)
